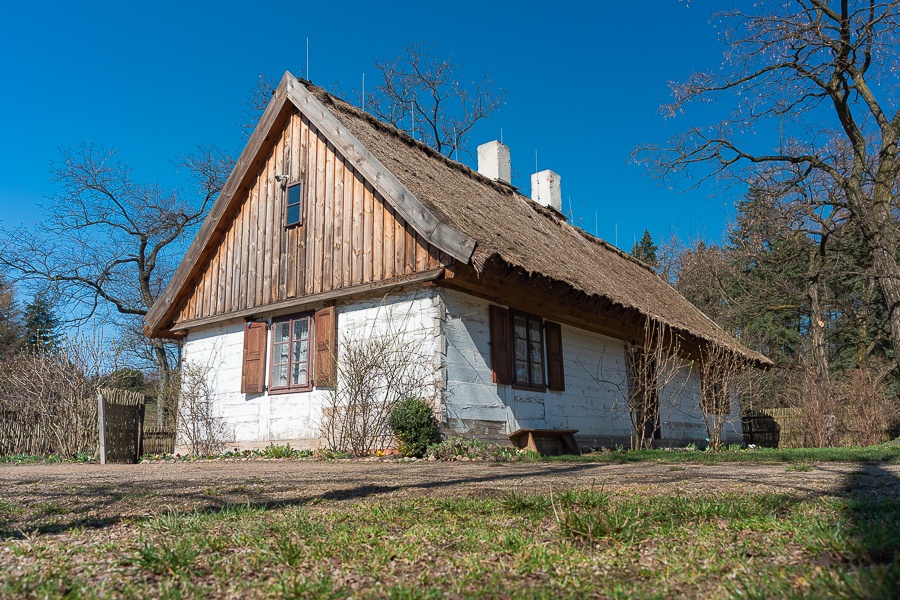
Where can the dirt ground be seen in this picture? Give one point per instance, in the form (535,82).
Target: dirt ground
(88,494)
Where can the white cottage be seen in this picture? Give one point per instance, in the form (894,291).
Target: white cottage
(334,225)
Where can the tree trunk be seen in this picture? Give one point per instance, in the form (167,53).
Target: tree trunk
(816,323)
(888,274)
(165,377)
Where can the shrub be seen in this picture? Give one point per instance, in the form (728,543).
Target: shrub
(459,447)
(413,423)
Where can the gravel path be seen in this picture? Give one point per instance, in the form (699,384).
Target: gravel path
(119,491)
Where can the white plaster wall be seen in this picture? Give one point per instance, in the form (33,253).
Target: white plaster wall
(592,403)
(259,419)
(680,409)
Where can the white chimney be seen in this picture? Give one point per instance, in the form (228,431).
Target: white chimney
(493,161)
(545,189)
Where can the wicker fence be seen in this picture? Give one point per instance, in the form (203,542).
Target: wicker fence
(158,441)
(121,419)
(783,428)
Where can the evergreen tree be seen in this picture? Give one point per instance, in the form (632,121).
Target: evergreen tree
(41,326)
(645,249)
(10,320)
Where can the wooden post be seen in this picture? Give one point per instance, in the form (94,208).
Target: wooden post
(101,421)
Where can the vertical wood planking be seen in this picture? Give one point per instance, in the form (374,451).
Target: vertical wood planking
(347,229)
(283,168)
(410,265)
(357,250)
(389,226)
(300,287)
(399,245)
(328,222)
(252,262)
(350,235)
(319,223)
(336,248)
(267,194)
(378,239)
(368,226)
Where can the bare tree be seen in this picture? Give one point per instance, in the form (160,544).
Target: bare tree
(820,73)
(110,243)
(426,96)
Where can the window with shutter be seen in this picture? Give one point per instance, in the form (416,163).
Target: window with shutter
(326,347)
(253,373)
(518,351)
(291,354)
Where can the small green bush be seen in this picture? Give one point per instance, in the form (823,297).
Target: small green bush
(414,426)
(456,448)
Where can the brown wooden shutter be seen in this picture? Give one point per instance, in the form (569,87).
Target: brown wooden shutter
(253,375)
(325,367)
(555,378)
(501,357)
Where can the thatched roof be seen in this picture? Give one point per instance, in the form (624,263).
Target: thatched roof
(522,233)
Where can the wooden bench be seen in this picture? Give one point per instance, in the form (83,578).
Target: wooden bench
(548,442)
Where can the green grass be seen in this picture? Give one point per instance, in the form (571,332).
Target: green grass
(567,544)
(885,453)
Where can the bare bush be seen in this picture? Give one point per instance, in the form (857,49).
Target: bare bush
(200,425)
(374,373)
(815,402)
(48,402)
(651,366)
(725,378)
(868,412)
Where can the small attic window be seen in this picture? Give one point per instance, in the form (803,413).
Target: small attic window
(293,213)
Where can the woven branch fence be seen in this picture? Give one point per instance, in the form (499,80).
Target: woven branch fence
(784,428)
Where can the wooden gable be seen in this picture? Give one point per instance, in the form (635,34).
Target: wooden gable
(349,236)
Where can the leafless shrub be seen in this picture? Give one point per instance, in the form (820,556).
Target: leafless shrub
(725,378)
(200,426)
(651,367)
(815,402)
(868,411)
(375,371)
(48,402)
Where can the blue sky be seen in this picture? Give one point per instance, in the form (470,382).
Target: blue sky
(584,82)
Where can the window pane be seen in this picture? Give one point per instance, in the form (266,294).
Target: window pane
(281,375)
(282,332)
(535,329)
(301,329)
(536,354)
(295,375)
(521,371)
(519,327)
(302,378)
(293,214)
(281,354)
(300,349)
(537,374)
(294,194)
(521,350)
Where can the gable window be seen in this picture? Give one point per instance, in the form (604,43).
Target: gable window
(526,351)
(293,213)
(290,354)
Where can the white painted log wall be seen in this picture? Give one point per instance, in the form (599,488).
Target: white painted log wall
(259,419)
(594,375)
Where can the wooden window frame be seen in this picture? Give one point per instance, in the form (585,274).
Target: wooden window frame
(310,349)
(529,318)
(300,203)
